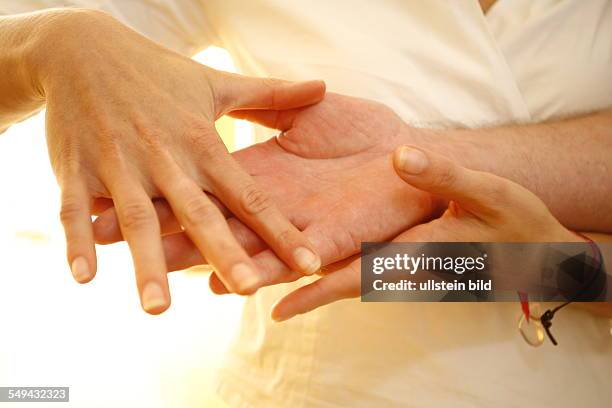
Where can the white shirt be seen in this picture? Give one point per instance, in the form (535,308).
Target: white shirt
(436,63)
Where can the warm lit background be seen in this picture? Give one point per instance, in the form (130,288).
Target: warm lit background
(95,338)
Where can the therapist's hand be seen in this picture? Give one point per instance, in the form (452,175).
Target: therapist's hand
(331,174)
(482,208)
(130,120)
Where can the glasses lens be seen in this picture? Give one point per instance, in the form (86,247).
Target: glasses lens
(532,329)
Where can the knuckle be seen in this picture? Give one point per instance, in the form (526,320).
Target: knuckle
(69,170)
(254,201)
(70,210)
(136,215)
(65,158)
(200,137)
(67,151)
(272,85)
(286,238)
(197,212)
(499,190)
(446,176)
(110,154)
(340,244)
(150,138)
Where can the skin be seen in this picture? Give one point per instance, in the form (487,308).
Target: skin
(309,176)
(485,5)
(154,158)
(482,208)
(129,120)
(331,171)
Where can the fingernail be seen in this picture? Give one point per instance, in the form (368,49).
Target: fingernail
(306,260)
(80,269)
(246,278)
(279,318)
(412,161)
(276,316)
(153,298)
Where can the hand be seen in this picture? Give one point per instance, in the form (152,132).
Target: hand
(130,120)
(330,171)
(482,208)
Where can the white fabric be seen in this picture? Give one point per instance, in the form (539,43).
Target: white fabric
(437,63)
(560,53)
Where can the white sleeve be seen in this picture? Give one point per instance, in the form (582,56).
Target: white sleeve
(180,25)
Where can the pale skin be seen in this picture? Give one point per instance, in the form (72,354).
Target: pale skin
(129,120)
(482,207)
(332,173)
(29,82)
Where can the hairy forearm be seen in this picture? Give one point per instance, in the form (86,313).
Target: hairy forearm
(567,163)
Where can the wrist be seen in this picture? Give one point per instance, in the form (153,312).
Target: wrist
(59,41)
(20,40)
(467,147)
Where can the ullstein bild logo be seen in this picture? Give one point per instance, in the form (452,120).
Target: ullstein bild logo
(411,264)
(455,271)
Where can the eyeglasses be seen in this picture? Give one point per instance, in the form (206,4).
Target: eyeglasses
(532,328)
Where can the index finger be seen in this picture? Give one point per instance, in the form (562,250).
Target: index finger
(342,284)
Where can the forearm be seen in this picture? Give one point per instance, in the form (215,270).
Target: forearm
(568,163)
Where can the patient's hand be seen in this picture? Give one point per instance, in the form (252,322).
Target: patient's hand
(331,174)
(484,207)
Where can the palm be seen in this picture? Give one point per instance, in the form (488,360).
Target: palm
(331,174)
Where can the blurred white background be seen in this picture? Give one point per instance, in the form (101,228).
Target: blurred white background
(95,338)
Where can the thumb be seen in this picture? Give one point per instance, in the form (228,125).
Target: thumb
(234,92)
(478,192)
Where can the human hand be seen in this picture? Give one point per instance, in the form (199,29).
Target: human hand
(130,120)
(482,208)
(330,171)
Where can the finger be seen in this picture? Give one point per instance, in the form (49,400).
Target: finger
(208,229)
(216,286)
(342,284)
(272,272)
(241,92)
(274,119)
(139,226)
(253,206)
(106,226)
(100,205)
(326,241)
(478,192)
(182,253)
(76,219)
